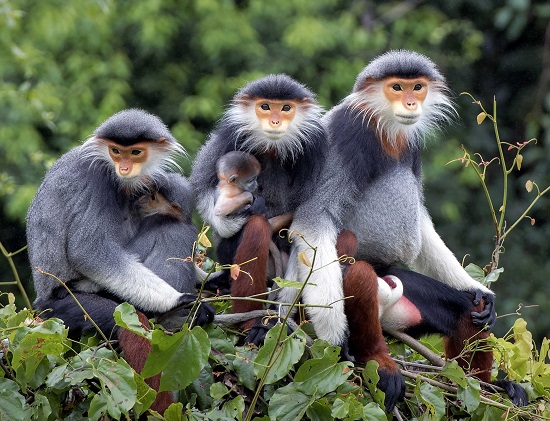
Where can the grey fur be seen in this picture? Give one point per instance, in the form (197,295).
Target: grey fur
(80,223)
(378,198)
(399,63)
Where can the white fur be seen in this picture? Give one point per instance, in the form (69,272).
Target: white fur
(160,160)
(143,288)
(290,145)
(436,260)
(437,109)
(388,296)
(325,283)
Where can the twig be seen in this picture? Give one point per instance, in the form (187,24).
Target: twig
(418,347)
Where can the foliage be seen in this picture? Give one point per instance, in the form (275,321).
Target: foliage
(46,376)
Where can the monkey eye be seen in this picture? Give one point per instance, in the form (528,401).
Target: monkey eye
(115,151)
(397,87)
(418,87)
(286,107)
(264,107)
(136,152)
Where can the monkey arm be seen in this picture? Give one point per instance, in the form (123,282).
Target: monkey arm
(324,282)
(437,261)
(225,226)
(226,204)
(112,268)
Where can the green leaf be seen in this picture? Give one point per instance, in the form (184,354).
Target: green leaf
(455,373)
(321,376)
(370,374)
(187,360)
(287,352)
(244,367)
(469,396)
(289,404)
(433,398)
(119,386)
(320,410)
(475,272)
(126,316)
(45,338)
(340,408)
(285,283)
(218,391)
(145,395)
(98,407)
(174,412)
(373,412)
(11,400)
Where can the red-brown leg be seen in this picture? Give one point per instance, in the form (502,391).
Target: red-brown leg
(136,349)
(480,362)
(366,341)
(254,245)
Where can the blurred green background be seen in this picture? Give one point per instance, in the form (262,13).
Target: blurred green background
(65,66)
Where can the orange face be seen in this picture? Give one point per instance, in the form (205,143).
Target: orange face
(129,160)
(406,97)
(275,116)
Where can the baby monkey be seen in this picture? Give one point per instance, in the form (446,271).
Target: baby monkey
(238,181)
(156,203)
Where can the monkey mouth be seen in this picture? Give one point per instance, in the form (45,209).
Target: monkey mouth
(274,134)
(407,119)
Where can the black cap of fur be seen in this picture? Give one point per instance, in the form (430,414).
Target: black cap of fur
(399,63)
(133,125)
(276,87)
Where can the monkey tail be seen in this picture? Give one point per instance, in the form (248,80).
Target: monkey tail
(136,349)
(255,243)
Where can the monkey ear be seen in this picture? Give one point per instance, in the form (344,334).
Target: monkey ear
(232,178)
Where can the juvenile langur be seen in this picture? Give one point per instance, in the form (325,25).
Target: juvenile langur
(238,181)
(82,219)
(372,186)
(277,120)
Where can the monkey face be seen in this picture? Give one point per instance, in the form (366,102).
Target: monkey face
(128,160)
(406,97)
(275,116)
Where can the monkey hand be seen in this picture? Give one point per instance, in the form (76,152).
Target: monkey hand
(392,384)
(515,392)
(485,314)
(180,314)
(204,313)
(256,335)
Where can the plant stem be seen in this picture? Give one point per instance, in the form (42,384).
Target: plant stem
(15,274)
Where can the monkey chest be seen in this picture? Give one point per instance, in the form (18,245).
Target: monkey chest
(386,218)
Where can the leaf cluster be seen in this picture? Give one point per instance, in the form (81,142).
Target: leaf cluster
(46,376)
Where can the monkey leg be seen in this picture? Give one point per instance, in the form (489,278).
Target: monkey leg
(366,341)
(136,350)
(254,249)
(478,361)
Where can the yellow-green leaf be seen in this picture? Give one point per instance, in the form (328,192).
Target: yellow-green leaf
(302,258)
(519,160)
(480,117)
